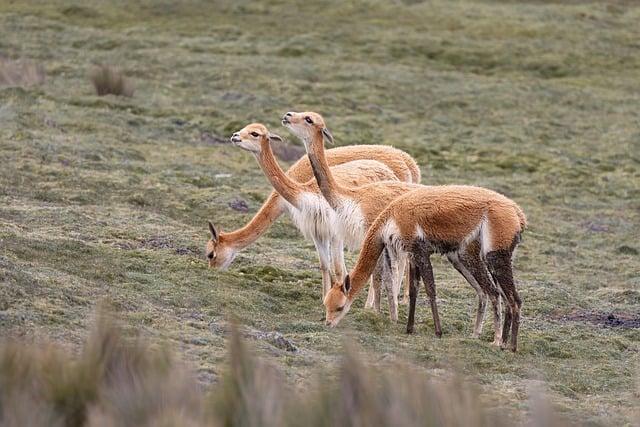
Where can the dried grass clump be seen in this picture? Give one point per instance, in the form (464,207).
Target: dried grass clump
(108,80)
(21,72)
(120,381)
(113,382)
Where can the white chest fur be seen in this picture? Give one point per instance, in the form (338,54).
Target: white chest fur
(314,218)
(351,223)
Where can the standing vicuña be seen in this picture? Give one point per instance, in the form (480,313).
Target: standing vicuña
(446,220)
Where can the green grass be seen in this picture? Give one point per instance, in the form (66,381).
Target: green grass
(107,198)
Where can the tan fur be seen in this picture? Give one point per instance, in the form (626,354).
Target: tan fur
(225,247)
(449,214)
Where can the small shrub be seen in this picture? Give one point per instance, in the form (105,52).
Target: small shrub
(20,72)
(109,80)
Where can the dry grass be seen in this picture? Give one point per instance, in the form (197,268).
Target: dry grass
(118,380)
(21,72)
(108,80)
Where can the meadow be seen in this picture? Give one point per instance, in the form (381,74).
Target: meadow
(106,198)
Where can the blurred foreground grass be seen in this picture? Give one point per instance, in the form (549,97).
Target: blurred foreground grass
(124,381)
(108,197)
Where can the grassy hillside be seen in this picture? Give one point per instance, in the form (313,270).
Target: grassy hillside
(107,198)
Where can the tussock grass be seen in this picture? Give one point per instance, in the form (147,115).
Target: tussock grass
(121,380)
(108,80)
(21,72)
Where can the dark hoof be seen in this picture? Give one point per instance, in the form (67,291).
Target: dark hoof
(438,334)
(410,330)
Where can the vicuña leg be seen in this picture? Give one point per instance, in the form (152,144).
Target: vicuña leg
(412,285)
(422,259)
(404,270)
(499,263)
(324,255)
(390,280)
(473,263)
(459,265)
(337,259)
(373,296)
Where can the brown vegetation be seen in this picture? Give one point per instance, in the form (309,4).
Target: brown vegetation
(108,80)
(21,72)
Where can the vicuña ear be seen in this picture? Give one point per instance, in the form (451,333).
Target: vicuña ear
(327,135)
(346,285)
(274,137)
(214,233)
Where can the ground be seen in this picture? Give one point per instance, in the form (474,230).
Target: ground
(107,198)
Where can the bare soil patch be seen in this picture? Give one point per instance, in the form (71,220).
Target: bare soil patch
(607,319)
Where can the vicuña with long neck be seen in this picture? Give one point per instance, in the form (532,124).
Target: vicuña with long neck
(308,209)
(441,219)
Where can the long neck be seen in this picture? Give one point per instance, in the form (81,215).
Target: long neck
(261,221)
(371,250)
(330,189)
(285,186)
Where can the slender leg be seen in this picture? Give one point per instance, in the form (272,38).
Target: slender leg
(324,255)
(499,263)
(482,297)
(404,270)
(337,259)
(390,280)
(412,284)
(426,271)
(473,264)
(369,303)
(374,288)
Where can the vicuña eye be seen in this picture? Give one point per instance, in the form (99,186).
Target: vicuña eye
(308,120)
(210,255)
(255,134)
(340,308)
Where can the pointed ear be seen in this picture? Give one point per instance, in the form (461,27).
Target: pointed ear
(327,135)
(214,233)
(274,137)
(346,285)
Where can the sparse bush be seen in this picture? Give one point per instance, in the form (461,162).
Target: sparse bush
(109,80)
(20,72)
(120,381)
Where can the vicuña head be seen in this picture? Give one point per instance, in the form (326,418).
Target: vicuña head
(220,253)
(306,125)
(337,302)
(252,137)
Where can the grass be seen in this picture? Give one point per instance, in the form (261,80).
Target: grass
(120,379)
(107,198)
